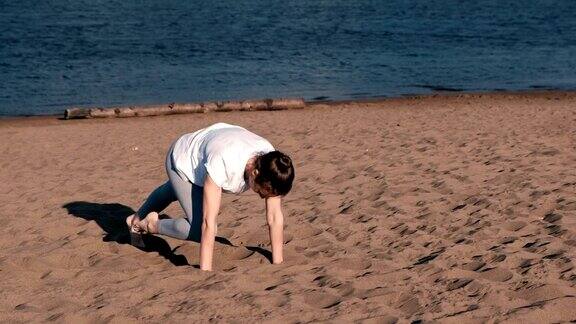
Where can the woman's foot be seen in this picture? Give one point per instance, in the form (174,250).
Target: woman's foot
(148,225)
(131,222)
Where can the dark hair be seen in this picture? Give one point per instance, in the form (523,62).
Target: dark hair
(275,173)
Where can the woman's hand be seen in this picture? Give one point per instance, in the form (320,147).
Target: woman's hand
(275,220)
(211,206)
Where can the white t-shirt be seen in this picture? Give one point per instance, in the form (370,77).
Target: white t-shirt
(220,150)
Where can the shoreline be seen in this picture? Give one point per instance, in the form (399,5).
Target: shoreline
(536,93)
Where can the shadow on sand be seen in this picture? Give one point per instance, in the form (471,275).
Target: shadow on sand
(112,219)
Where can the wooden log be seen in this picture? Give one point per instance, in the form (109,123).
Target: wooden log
(152,111)
(286,103)
(209,107)
(229,105)
(125,112)
(250,105)
(185,108)
(73,113)
(102,113)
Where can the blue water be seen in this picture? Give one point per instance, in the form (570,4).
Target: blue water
(60,53)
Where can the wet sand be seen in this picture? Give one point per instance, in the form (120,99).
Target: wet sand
(452,208)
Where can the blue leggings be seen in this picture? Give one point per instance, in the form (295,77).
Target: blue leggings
(190,198)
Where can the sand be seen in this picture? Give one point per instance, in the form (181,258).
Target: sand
(449,208)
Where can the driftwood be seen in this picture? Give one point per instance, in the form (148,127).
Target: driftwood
(185,108)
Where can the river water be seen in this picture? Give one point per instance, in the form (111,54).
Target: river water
(56,54)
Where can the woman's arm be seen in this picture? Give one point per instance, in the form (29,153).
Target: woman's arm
(275,221)
(210,208)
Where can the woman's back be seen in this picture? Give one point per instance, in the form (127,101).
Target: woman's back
(220,150)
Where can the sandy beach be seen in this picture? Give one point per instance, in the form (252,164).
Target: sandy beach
(455,209)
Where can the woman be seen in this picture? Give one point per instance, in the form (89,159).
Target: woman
(202,165)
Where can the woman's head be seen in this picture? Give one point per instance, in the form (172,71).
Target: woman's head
(273,174)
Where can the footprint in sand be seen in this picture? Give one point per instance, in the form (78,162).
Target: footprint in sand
(352,264)
(554,254)
(268,300)
(496,274)
(552,217)
(226,232)
(507,240)
(458,283)
(25,308)
(498,258)
(408,303)
(239,254)
(474,289)
(320,299)
(261,239)
(229,253)
(539,294)
(473,266)
(327,281)
(514,226)
(555,230)
(384,319)
(373,292)
(307,231)
(343,288)
(71,261)
(317,246)
(340,234)
(221,252)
